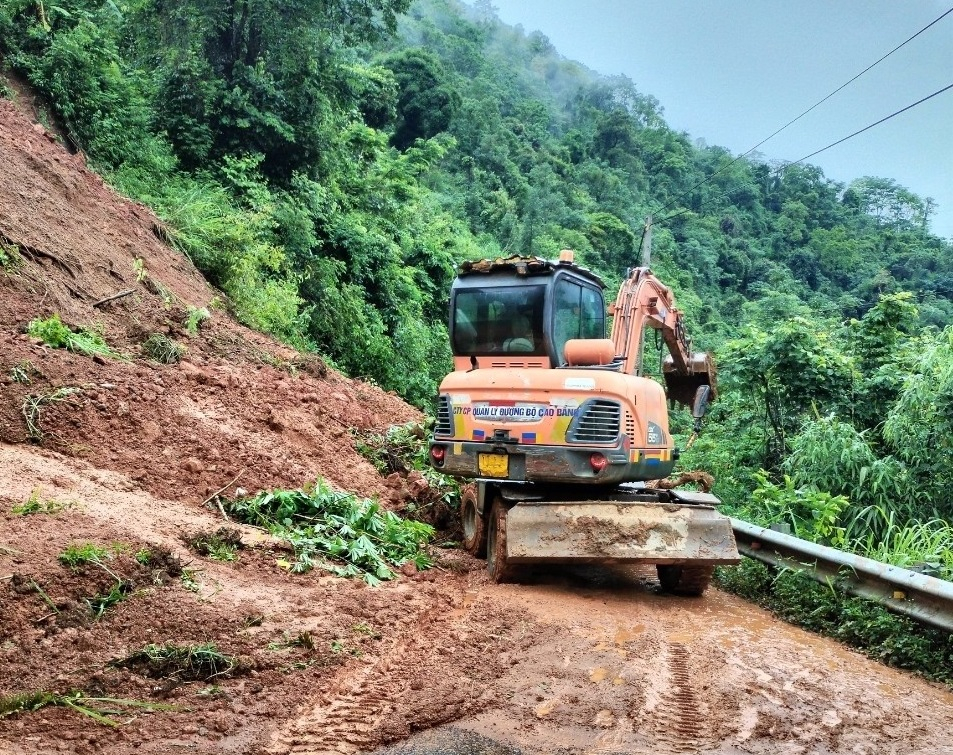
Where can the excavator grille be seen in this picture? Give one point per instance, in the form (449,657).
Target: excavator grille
(444,424)
(597,422)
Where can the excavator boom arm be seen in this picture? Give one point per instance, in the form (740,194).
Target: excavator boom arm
(644,301)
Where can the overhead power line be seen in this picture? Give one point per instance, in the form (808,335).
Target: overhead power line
(849,81)
(867,128)
(812,107)
(832,144)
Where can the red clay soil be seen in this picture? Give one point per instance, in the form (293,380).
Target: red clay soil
(238,404)
(135,448)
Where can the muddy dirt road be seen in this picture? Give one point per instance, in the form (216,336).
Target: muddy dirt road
(569,662)
(638,672)
(633,671)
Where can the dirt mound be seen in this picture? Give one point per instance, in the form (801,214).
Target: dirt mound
(238,406)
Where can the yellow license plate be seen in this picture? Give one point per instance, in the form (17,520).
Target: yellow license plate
(494,465)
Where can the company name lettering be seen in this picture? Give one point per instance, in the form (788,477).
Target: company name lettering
(529,412)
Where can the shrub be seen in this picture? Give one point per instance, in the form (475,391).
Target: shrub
(163,349)
(83,553)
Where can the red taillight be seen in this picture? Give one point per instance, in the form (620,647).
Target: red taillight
(598,462)
(437,453)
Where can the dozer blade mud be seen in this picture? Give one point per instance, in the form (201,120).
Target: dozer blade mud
(681,386)
(612,531)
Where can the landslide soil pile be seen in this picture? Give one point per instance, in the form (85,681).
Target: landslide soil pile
(122,453)
(236,403)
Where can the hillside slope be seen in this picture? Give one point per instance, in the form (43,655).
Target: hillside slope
(237,403)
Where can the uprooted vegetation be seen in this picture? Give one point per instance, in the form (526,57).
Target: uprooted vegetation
(163,349)
(32,409)
(55,333)
(98,578)
(221,544)
(196,662)
(37,504)
(337,531)
(403,450)
(97,708)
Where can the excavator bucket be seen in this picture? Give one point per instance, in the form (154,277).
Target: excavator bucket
(681,386)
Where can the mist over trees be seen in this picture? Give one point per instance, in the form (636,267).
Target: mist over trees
(328,163)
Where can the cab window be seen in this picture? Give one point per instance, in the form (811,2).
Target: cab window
(498,320)
(578,312)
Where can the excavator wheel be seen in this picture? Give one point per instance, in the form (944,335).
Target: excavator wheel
(474,525)
(496,565)
(684,579)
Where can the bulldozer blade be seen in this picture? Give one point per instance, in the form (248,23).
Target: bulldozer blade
(681,386)
(618,532)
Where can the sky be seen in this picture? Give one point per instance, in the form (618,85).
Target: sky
(732,72)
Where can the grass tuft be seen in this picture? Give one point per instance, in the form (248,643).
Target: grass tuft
(202,662)
(99,604)
(220,545)
(23,372)
(53,332)
(194,319)
(10,259)
(79,554)
(189,582)
(33,408)
(163,349)
(36,505)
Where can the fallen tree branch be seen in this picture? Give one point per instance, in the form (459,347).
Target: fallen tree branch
(115,296)
(222,490)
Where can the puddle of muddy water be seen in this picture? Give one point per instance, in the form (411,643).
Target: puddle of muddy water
(450,740)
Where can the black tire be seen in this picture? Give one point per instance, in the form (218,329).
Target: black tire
(496,564)
(684,579)
(474,525)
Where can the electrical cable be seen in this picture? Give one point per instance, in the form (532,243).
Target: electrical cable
(867,128)
(832,144)
(796,119)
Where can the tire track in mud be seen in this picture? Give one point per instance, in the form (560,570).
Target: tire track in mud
(354,708)
(680,719)
(419,676)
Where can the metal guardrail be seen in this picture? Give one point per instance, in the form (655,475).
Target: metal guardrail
(923,598)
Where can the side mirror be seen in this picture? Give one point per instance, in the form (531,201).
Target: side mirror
(700,405)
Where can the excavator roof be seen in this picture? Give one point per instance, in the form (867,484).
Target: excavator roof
(526,266)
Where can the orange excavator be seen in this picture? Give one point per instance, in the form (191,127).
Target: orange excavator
(562,432)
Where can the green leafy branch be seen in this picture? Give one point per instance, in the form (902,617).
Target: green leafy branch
(53,332)
(337,531)
(97,708)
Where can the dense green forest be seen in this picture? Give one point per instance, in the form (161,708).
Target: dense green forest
(327,163)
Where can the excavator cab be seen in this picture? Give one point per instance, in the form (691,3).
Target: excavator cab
(522,312)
